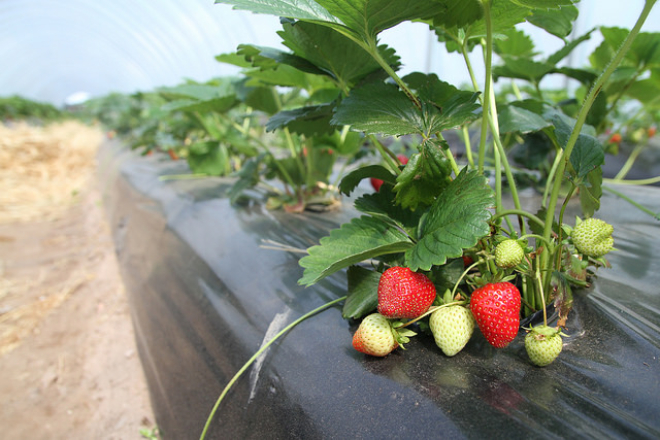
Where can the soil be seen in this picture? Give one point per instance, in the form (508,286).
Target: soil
(68,362)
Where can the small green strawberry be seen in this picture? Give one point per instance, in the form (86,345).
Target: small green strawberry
(543,345)
(509,254)
(404,294)
(375,336)
(452,328)
(496,308)
(593,237)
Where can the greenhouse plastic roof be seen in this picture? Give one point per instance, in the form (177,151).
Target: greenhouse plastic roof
(50,49)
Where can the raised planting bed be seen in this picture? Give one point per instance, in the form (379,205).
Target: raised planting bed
(205,295)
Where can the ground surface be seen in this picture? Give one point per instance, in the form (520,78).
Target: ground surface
(68,362)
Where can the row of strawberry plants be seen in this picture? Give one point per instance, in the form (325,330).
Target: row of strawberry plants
(436,248)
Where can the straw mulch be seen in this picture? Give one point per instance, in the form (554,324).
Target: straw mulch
(43,169)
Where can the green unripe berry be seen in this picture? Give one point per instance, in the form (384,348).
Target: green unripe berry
(593,237)
(509,254)
(543,344)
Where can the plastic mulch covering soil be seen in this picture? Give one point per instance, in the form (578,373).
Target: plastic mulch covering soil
(205,296)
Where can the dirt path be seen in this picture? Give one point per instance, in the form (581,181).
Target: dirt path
(68,362)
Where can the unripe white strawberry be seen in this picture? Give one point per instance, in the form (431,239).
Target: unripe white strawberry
(509,254)
(452,328)
(374,336)
(543,345)
(593,237)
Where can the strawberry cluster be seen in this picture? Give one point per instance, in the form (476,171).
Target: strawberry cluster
(404,294)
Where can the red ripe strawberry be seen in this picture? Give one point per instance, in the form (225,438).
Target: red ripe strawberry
(375,336)
(377,183)
(496,308)
(403,293)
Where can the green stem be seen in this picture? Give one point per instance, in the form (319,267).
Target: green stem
(561,222)
(371,46)
(637,205)
(468,147)
(489,78)
(537,237)
(516,90)
(257,354)
(630,161)
(166,177)
(649,181)
(551,175)
(522,213)
(431,310)
(581,118)
(539,282)
(448,155)
(389,157)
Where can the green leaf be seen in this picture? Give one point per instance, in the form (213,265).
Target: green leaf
(266,58)
(297,9)
(382,108)
(208,158)
(516,43)
(309,121)
(200,92)
(362,292)
(543,4)
(591,191)
(504,16)
(568,48)
(586,77)
(199,97)
(367,18)
(234,59)
(361,239)
(379,108)
(459,13)
(587,153)
(522,68)
(381,205)
(332,53)
(443,105)
(351,180)
(286,76)
(647,91)
(456,221)
(558,22)
(248,177)
(264,99)
(425,176)
(513,118)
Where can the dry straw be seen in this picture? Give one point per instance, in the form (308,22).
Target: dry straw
(43,169)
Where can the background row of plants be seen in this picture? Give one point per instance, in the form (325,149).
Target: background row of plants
(285,120)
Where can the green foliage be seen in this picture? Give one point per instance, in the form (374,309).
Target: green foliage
(362,239)
(20,108)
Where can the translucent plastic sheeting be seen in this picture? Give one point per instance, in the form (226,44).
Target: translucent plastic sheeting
(204,295)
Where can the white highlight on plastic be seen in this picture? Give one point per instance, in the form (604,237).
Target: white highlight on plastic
(277,324)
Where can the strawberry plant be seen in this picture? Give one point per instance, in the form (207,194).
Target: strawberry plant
(449,218)
(445,205)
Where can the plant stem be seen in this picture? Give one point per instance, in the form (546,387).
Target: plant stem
(431,310)
(468,148)
(257,354)
(520,212)
(488,49)
(637,205)
(581,118)
(649,181)
(630,161)
(387,155)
